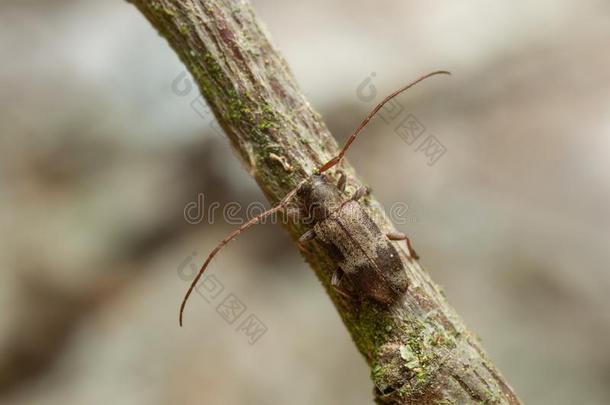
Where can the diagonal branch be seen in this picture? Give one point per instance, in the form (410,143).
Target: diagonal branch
(419,351)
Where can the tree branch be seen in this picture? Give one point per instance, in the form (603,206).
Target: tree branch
(419,351)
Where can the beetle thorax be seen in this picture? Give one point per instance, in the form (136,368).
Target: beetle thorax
(319,197)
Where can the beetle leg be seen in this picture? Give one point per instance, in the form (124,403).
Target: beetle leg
(402,236)
(335,280)
(306,237)
(361,192)
(342,183)
(304,249)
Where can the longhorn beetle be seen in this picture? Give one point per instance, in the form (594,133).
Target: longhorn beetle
(343,229)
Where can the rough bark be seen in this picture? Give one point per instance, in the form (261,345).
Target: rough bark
(419,351)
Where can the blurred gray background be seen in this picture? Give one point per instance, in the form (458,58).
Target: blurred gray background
(98,157)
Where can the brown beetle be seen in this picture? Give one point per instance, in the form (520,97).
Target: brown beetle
(343,229)
(348,235)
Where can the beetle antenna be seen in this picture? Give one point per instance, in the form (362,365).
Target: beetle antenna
(337,159)
(229,238)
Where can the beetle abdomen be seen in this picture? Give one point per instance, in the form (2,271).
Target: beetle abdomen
(368,258)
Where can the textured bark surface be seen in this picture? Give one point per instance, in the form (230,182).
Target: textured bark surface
(419,351)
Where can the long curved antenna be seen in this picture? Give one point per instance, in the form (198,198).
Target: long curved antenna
(228,239)
(334,161)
